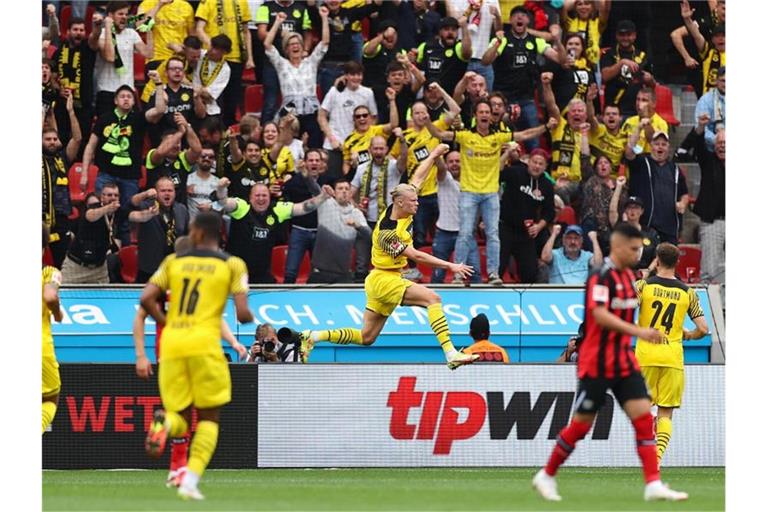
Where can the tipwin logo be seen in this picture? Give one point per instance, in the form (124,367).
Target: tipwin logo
(440,420)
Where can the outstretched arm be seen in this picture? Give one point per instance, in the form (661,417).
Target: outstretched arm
(312,203)
(460,269)
(420,174)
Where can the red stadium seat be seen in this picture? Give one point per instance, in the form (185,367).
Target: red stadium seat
(128,263)
(689,264)
(74,174)
(483,262)
(426,270)
(48,257)
(279,253)
(50,51)
(304,269)
(66,14)
(254,98)
(143,178)
(249,76)
(567,216)
(138,68)
(664,105)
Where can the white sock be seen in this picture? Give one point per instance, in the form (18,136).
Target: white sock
(190,480)
(450,354)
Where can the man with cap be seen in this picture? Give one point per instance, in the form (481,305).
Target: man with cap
(625,69)
(480,331)
(570,264)
(516,72)
(711,53)
(444,59)
(633,212)
(658,182)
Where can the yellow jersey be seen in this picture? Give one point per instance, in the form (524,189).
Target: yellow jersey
(603,142)
(390,240)
(480,157)
(711,61)
(590,31)
(207,11)
(420,145)
(51,276)
(199,283)
(663,305)
(173,23)
(566,151)
(357,142)
(657,122)
(284,164)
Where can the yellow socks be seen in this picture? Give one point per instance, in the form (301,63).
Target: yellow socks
(663,435)
(339,336)
(49,411)
(203,446)
(440,327)
(176,424)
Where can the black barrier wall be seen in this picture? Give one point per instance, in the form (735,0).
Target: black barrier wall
(105,410)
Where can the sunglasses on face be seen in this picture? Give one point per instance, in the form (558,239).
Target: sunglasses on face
(361,116)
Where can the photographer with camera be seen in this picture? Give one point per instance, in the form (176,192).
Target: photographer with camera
(571,352)
(269,347)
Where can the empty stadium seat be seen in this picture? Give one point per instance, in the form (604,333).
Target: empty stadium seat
(254,98)
(74,174)
(567,216)
(279,253)
(689,265)
(138,68)
(48,257)
(664,105)
(128,263)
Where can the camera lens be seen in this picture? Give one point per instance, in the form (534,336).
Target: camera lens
(269,346)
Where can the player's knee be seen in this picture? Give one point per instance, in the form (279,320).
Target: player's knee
(432,298)
(643,427)
(368,338)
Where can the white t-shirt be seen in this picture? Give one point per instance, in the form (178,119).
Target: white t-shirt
(216,87)
(199,191)
(448,203)
(340,107)
(107,78)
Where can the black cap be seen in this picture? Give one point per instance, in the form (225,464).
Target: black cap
(448,22)
(718,29)
(124,87)
(626,26)
(519,8)
(480,328)
(385,24)
(634,201)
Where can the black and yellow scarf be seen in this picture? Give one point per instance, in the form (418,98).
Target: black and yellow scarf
(70,73)
(381,186)
(207,78)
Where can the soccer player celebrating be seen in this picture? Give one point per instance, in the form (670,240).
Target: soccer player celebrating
(606,361)
(51,307)
(385,288)
(664,302)
(194,372)
(179,445)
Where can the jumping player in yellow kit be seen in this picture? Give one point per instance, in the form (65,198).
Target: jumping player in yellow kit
(193,370)
(664,303)
(51,307)
(385,288)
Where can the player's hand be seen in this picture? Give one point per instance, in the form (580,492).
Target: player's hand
(143,367)
(650,334)
(242,352)
(460,269)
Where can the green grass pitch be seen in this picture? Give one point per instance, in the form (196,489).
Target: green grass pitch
(379,489)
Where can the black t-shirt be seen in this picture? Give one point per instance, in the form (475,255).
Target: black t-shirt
(340,25)
(569,83)
(441,64)
(299,189)
(252,238)
(56,199)
(293,23)
(74,66)
(118,151)
(375,68)
(404,100)
(414,29)
(516,70)
(623,89)
(95,239)
(524,197)
(178,170)
(181,100)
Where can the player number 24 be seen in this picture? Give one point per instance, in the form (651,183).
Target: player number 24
(187,304)
(667,318)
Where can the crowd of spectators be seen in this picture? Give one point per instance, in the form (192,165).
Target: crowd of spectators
(555,136)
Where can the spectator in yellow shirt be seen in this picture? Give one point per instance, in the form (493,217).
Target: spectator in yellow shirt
(645,104)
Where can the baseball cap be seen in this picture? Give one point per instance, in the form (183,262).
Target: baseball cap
(449,22)
(479,327)
(718,29)
(573,228)
(627,26)
(660,133)
(634,201)
(384,25)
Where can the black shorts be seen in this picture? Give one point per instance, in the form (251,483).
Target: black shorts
(590,396)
